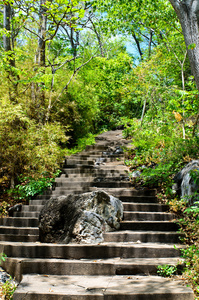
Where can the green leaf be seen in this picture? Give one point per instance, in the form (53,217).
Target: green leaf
(192,46)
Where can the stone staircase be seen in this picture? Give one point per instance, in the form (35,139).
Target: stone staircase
(124,266)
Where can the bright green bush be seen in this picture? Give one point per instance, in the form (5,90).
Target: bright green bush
(29,186)
(166,270)
(27,147)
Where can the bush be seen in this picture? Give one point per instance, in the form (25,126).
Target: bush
(30,186)
(26,147)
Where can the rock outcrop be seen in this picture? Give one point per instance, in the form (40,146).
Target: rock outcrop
(185,184)
(79,218)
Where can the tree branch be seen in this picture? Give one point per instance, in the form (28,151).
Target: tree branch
(176,5)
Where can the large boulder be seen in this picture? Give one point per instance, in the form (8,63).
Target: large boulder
(79,218)
(185,184)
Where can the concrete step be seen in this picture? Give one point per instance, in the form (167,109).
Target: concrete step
(91,183)
(29,208)
(101,147)
(147,216)
(77,161)
(9,230)
(142,199)
(42,197)
(19,222)
(62,191)
(96,156)
(96,169)
(89,251)
(27,214)
(146,202)
(145,207)
(112,184)
(129,236)
(51,287)
(72,184)
(127,192)
(111,266)
(63,179)
(93,172)
(149,225)
(19,238)
(37,202)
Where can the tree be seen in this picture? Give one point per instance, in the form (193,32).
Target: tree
(141,21)
(188,14)
(8,44)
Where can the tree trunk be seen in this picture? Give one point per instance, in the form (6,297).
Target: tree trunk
(9,50)
(138,45)
(188,14)
(40,61)
(6,25)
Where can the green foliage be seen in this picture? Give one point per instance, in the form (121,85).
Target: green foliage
(3,209)
(30,187)
(8,289)
(159,152)
(2,257)
(82,143)
(195,176)
(159,147)
(189,223)
(166,270)
(28,147)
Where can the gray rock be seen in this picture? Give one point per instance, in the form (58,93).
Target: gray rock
(100,161)
(15,208)
(4,276)
(79,218)
(184,184)
(135,174)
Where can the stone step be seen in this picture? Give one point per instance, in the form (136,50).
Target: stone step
(19,222)
(94,172)
(42,197)
(96,156)
(149,225)
(70,184)
(137,216)
(89,187)
(27,214)
(63,179)
(112,184)
(101,147)
(147,216)
(89,251)
(70,190)
(19,238)
(125,197)
(17,267)
(29,208)
(96,169)
(77,161)
(37,202)
(129,236)
(127,192)
(51,287)
(9,230)
(145,207)
(96,152)
(145,202)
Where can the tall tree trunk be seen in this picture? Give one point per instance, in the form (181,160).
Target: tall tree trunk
(150,42)
(138,45)
(40,61)
(9,50)
(188,14)
(6,25)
